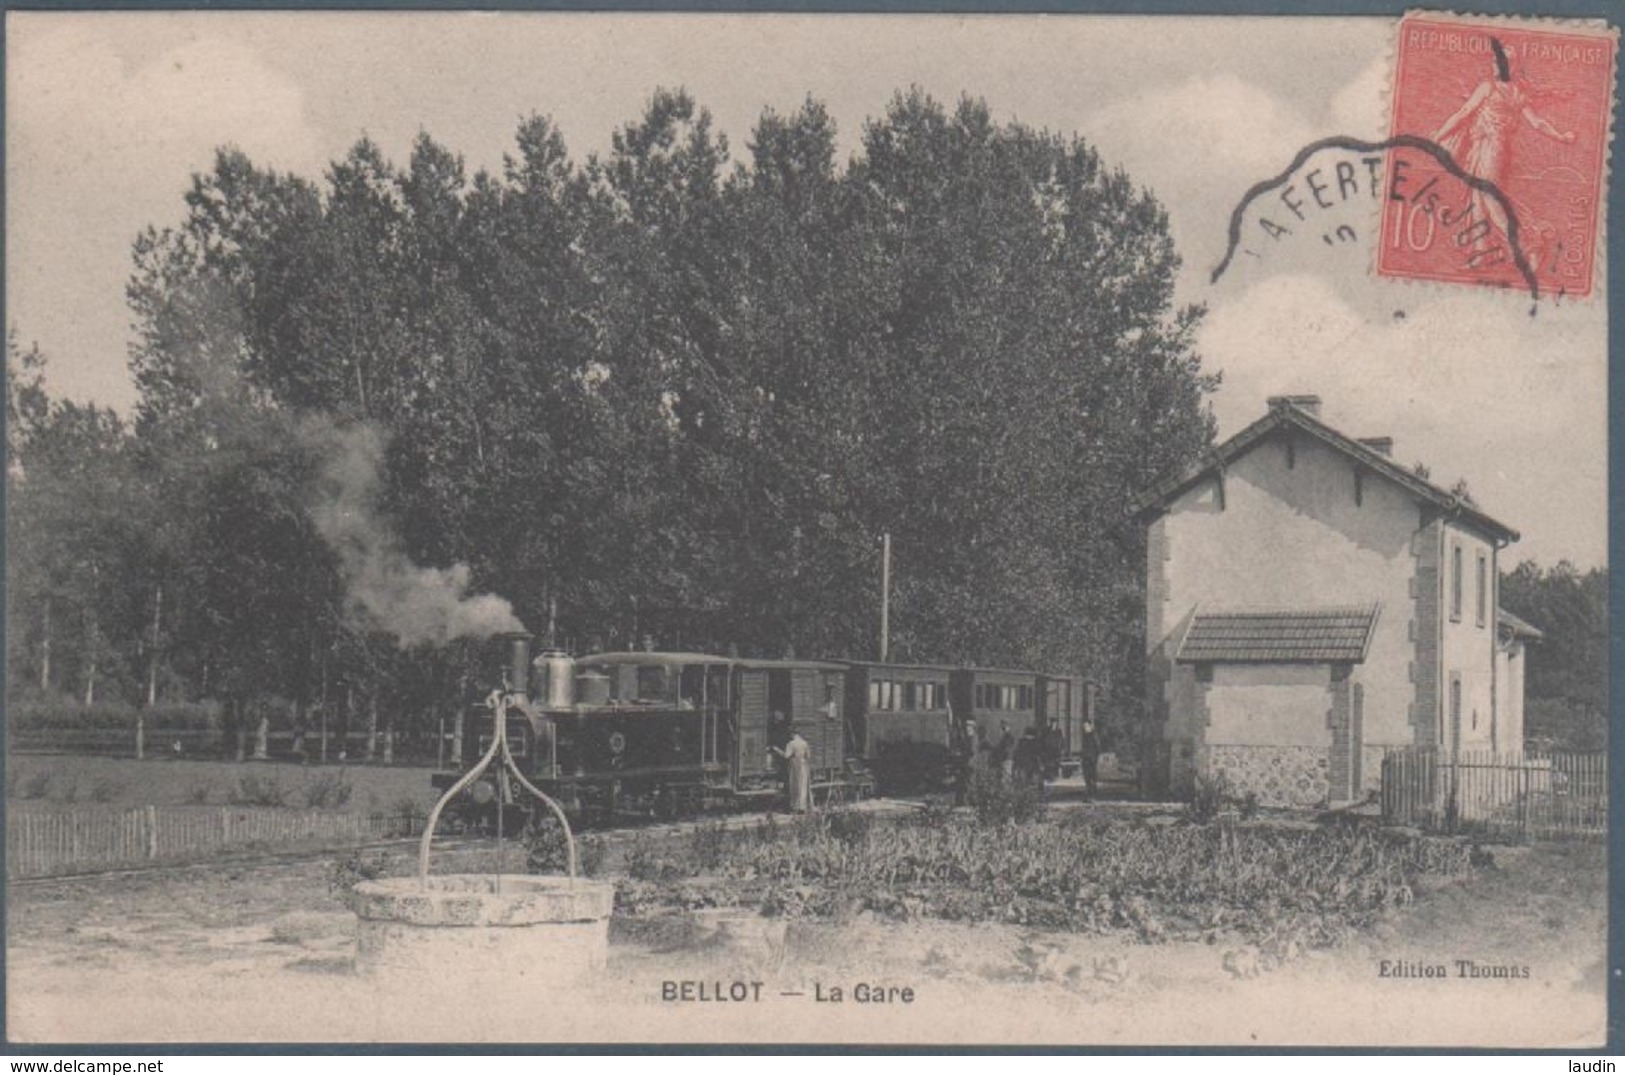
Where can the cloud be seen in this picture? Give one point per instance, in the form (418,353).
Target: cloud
(98,146)
(1199,145)
(1360,108)
(1467,382)
(76,106)
(1229,125)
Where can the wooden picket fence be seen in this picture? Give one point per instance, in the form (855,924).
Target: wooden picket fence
(47,842)
(1527,795)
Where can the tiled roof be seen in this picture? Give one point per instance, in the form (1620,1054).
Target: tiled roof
(1315,635)
(1283,415)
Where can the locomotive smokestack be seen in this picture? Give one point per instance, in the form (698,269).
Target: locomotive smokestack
(517,672)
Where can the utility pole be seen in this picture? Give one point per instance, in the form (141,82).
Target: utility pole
(885,594)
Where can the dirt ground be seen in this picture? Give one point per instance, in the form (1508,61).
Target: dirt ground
(265,954)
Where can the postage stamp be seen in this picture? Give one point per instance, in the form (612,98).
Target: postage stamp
(1502,160)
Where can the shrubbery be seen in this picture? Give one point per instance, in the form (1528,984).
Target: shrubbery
(1155,882)
(998,800)
(329,790)
(1215,793)
(548,852)
(255,790)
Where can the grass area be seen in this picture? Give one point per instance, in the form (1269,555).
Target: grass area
(64,779)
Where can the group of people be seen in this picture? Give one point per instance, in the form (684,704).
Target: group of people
(1031,757)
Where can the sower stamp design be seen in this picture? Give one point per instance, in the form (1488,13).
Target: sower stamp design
(1501,148)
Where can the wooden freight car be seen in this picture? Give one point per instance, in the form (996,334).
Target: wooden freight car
(778,697)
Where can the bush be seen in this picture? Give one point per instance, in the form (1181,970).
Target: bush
(199,792)
(547,852)
(352,868)
(328,791)
(709,844)
(408,806)
(999,800)
(1214,793)
(645,862)
(252,790)
(1561,724)
(35,785)
(847,826)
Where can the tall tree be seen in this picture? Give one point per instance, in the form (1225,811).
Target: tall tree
(1566,689)
(656,397)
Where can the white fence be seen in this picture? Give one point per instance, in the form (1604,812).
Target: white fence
(44,842)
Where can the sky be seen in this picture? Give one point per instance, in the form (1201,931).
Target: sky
(109,114)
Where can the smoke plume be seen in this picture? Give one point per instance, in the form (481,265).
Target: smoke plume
(416,604)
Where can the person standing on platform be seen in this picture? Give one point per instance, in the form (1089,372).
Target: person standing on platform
(1004,751)
(797,755)
(1089,754)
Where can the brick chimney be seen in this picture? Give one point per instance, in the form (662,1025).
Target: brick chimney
(1380,445)
(1308,404)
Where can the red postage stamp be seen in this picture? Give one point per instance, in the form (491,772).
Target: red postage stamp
(1499,153)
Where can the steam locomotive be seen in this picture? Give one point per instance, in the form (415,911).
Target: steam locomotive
(672,734)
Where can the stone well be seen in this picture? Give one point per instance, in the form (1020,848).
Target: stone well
(470,927)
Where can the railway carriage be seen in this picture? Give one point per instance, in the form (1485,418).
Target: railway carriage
(779,697)
(1066,702)
(675,733)
(904,722)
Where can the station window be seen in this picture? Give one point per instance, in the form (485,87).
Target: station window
(1455,583)
(1482,580)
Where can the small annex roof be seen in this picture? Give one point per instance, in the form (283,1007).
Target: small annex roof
(1519,627)
(1313,635)
(1285,415)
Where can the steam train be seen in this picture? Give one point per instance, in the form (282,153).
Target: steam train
(671,734)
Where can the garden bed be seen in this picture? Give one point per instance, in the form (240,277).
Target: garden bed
(1284,887)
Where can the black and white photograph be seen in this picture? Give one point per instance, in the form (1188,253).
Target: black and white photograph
(934,530)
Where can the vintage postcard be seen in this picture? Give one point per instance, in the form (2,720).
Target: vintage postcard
(867,529)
